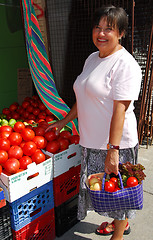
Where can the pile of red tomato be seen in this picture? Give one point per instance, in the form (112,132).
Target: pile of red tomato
(112,184)
(21,145)
(32,108)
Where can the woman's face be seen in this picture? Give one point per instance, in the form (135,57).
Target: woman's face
(106,38)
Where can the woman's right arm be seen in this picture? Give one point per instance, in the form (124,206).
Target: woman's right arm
(61,123)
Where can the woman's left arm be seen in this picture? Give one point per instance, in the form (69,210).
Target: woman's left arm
(116,129)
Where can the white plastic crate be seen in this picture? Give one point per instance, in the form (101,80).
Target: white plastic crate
(20,184)
(64,160)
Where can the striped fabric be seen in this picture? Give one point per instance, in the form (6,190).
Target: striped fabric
(40,67)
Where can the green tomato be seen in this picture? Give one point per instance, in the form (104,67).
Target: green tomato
(11,122)
(4,122)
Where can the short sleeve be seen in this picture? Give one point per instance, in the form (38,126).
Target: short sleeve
(127,77)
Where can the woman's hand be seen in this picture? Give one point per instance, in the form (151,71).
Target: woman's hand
(58,125)
(112,161)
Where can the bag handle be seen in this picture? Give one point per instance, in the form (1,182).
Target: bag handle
(103,182)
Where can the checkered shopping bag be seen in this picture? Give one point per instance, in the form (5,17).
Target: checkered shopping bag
(124,199)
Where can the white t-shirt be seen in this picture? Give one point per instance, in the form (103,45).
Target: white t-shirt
(116,77)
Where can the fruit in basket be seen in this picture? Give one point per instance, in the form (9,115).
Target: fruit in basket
(132,182)
(96,186)
(109,186)
(94,179)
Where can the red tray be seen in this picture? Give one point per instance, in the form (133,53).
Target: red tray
(41,228)
(66,185)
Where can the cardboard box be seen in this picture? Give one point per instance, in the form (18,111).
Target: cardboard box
(64,160)
(20,184)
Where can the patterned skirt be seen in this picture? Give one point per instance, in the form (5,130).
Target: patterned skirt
(93,161)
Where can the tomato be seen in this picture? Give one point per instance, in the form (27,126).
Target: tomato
(36,111)
(38,157)
(65,134)
(13,107)
(27,134)
(25,104)
(40,141)
(18,126)
(31,121)
(42,115)
(116,189)
(35,97)
(15,152)
(0,169)
(15,115)
(24,161)
(132,182)
(22,144)
(3,156)
(25,114)
(5,172)
(6,129)
(20,110)
(30,109)
(39,131)
(41,106)
(43,124)
(32,116)
(4,134)
(34,104)
(50,136)
(15,138)
(114,179)
(49,118)
(12,165)
(109,186)
(4,144)
(9,116)
(74,139)
(53,146)
(64,143)
(29,148)
(6,111)
(48,112)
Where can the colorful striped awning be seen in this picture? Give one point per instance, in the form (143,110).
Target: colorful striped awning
(40,67)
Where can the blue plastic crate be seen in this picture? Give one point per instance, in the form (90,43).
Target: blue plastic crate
(29,207)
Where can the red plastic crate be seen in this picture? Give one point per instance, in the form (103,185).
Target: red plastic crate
(41,228)
(66,185)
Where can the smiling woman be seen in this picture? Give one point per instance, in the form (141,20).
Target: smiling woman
(105,93)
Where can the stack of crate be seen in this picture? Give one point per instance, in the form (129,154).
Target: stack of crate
(66,182)
(5,221)
(29,195)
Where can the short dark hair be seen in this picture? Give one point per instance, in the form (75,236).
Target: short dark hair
(115,16)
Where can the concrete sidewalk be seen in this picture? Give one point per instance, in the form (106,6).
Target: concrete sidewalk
(141,226)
